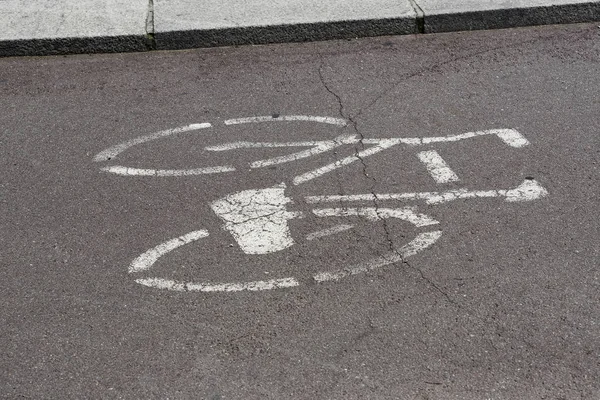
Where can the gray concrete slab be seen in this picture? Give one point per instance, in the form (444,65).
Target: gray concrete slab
(189,23)
(42,27)
(464,15)
(50,27)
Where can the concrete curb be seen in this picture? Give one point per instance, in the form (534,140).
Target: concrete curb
(283,33)
(512,17)
(423,20)
(82,45)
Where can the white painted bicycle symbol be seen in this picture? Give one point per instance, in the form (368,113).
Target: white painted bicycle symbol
(258,219)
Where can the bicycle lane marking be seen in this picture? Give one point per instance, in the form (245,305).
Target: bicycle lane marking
(276,118)
(529,190)
(437,167)
(381,145)
(329,231)
(160,283)
(128,171)
(114,151)
(258,218)
(421,242)
(147,259)
(318,147)
(258,221)
(510,136)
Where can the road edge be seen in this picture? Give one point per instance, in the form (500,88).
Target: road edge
(422,22)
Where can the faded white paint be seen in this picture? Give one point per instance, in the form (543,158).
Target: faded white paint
(128,171)
(261,145)
(147,259)
(407,141)
(113,151)
(509,136)
(320,148)
(406,213)
(435,164)
(258,219)
(527,191)
(317,147)
(421,242)
(177,286)
(382,144)
(270,118)
(437,167)
(144,262)
(329,231)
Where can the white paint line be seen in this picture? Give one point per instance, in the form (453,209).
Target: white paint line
(421,242)
(167,284)
(453,138)
(258,219)
(329,231)
(382,145)
(406,213)
(259,145)
(344,139)
(269,118)
(437,167)
(127,171)
(509,136)
(320,147)
(160,283)
(408,141)
(147,259)
(527,191)
(113,151)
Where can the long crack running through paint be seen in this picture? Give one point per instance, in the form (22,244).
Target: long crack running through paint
(375,197)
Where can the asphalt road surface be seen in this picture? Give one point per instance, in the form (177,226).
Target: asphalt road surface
(406,217)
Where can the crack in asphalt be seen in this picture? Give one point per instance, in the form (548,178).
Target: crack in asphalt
(376,202)
(436,67)
(150,26)
(324,83)
(431,282)
(365,333)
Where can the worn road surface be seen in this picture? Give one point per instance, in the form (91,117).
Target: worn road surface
(406,217)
